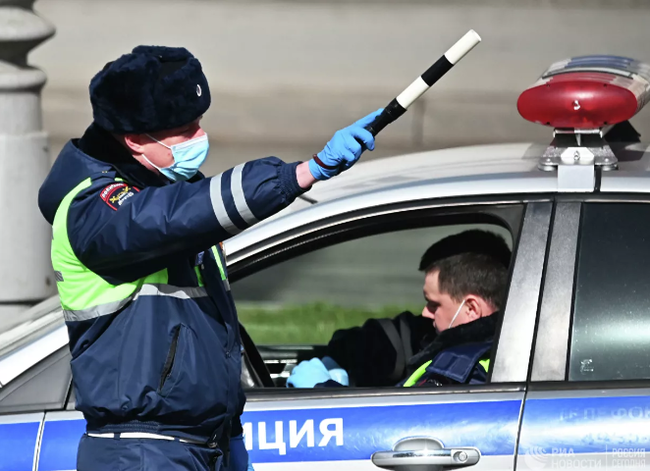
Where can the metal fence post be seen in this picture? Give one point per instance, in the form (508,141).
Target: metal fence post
(25,269)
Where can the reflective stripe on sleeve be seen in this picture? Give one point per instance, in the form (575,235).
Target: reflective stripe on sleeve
(237,188)
(220,208)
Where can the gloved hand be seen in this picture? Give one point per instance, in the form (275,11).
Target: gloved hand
(343,150)
(239,459)
(308,374)
(337,373)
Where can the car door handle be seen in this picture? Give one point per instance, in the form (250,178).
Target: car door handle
(427,454)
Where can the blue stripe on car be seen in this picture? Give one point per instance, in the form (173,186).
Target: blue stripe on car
(585,425)
(576,425)
(59,444)
(489,426)
(17,445)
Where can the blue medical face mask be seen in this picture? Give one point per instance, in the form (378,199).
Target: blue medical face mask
(188,157)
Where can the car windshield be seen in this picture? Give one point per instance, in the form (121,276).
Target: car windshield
(27,325)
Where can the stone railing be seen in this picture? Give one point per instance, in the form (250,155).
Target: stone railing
(25,270)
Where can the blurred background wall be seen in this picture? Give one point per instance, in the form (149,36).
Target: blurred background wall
(286,74)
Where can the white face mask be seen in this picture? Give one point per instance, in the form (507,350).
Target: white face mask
(457,312)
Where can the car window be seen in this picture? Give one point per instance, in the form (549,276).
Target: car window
(610,338)
(305,299)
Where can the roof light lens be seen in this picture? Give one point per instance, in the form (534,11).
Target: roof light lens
(586,92)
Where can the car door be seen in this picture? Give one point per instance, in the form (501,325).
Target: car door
(348,428)
(589,404)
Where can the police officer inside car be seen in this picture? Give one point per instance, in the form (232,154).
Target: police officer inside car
(465,283)
(141,276)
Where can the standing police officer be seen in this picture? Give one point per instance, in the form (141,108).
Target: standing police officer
(141,276)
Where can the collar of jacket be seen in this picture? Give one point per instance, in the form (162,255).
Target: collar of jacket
(479,330)
(101,145)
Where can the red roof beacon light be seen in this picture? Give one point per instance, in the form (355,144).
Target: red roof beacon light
(586,99)
(588,92)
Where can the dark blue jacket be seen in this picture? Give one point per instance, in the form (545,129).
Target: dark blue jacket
(456,365)
(454,354)
(380,352)
(167,362)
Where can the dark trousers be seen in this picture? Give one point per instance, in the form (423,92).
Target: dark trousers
(134,454)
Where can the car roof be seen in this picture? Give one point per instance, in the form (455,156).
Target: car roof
(454,172)
(459,162)
(434,164)
(436,173)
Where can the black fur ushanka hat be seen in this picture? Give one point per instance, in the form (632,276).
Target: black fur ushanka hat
(153,88)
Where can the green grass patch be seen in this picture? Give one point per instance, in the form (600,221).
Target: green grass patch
(311,324)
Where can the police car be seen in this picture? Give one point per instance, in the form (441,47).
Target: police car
(569,374)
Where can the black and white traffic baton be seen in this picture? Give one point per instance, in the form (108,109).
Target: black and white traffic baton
(398,106)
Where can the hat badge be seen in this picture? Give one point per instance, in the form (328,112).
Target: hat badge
(199,92)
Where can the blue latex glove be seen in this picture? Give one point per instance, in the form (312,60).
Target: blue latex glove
(343,150)
(337,373)
(308,374)
(239,459)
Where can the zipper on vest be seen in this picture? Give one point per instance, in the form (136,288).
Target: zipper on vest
(169,362)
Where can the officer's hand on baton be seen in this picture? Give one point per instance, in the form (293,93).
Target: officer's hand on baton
(344,149)
(342,152)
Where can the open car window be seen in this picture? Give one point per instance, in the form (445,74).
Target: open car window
(304,300)
(292,308)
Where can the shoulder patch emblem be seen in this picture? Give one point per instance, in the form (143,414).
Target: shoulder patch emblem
(117,193)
